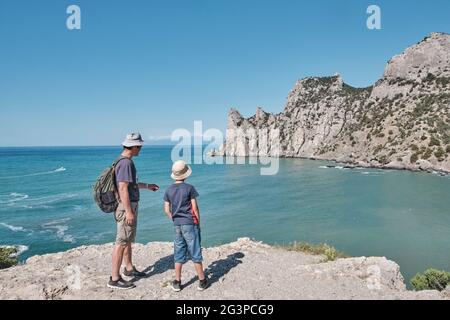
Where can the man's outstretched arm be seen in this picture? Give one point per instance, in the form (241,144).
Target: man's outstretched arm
(149,186)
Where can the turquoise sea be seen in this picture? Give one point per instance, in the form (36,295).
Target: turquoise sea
(46,205)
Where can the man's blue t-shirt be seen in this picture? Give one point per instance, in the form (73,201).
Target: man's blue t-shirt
(179,196)
(126,172)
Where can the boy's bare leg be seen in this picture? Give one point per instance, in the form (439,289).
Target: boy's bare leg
(199,269)
(178,267)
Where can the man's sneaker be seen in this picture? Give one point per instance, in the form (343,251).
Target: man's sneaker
(120,284)
(133,273)
(176,285)
(203,284)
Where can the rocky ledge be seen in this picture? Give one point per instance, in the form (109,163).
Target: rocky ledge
(244,269)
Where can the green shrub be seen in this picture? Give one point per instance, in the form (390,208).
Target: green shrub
(378,149)
(414,158)
(431,279)
(331,253)
(328,251)
(440,153)
(383,159)
(434,142)
(423,107)
(430,77)
(5,257)
(444,81)
(427,154)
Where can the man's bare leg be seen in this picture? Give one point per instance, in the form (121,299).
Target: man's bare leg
(117,257)
(127,257)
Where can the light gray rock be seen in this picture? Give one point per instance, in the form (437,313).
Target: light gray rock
(405,116)
(244,269)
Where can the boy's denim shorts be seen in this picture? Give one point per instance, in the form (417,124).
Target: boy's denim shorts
(187,241)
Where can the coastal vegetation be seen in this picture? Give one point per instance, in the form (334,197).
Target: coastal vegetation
(6,260)
(431,279)
(328,251)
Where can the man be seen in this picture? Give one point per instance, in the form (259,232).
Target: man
(127,211)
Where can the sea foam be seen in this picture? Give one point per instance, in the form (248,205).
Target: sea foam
(19,248)
(60,169)
(60,229)
(23,201)
(13,228)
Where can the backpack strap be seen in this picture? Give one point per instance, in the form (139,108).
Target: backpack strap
(114,171)
(118,160)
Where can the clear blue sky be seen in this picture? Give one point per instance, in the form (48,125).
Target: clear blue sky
(154,66)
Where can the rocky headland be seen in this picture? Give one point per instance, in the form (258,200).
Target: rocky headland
(401,122)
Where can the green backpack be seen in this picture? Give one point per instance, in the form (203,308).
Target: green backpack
(105,189)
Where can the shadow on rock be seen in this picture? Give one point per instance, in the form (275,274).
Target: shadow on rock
(160,266)
(219,268)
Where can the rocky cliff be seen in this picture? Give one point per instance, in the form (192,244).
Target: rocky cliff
(403,121)
(243,269)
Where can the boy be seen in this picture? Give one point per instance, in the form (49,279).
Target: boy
(181,206)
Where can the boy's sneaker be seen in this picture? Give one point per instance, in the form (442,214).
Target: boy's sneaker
(134,273)
(120,284)
(176,285)
(203,284)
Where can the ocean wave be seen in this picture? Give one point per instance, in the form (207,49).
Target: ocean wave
(373,173)
(60,229)
(34,207)
(332,167)
(19,248)
(12,197)
(13,228)
(24,201)
(58,221)
(60,169)
(51,199)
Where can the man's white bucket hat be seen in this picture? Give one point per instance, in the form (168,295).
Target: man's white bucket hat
(133,139)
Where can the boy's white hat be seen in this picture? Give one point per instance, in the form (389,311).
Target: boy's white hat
(180,170)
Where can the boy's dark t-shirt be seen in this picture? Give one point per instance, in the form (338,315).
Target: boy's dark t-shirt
(179,196)
(126,172)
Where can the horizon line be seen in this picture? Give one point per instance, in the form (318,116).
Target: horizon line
(92,146)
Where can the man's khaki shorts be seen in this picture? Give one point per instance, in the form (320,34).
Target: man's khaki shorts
(125,234)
